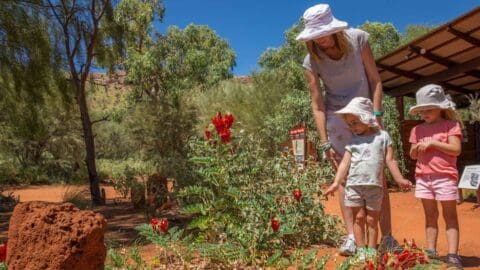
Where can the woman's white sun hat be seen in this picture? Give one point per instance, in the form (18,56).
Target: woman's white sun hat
(362,108)
(432,96)
(319,22)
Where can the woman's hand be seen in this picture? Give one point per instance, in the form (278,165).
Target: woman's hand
(331,189)
(332,157)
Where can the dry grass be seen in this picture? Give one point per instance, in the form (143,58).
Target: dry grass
(79,196)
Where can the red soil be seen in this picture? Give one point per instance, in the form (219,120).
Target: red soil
(407,220)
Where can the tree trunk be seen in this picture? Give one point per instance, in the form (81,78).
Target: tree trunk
(89,145)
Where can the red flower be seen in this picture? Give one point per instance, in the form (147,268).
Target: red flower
(154,222)
(285,199)
(385,259)
(275,224)
(225,134)
(228,120)
(3,252)
(404,255)
(369,265)
(218,122)
(164,225)
(208,134)
(297,194)
(277,200)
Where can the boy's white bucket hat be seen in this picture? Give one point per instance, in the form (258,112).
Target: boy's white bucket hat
(362,108)
(319,22)
(432,96)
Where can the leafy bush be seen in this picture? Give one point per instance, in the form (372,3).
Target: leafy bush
(239,189)
(125,174)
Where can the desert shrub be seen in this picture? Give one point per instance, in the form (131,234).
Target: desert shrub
(239,189)
(124,174)
(79,196)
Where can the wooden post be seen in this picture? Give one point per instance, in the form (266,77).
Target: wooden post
(400,108)
(476,127)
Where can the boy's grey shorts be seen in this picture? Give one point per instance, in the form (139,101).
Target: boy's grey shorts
(368,196)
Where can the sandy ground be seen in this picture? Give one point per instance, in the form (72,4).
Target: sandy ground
(407,220)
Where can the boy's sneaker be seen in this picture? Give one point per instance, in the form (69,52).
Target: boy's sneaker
(388,244)
(361,254)
(348,247)
(372,253)
(431,253)
(454,262)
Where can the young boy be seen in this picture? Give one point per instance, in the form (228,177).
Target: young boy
(364,159)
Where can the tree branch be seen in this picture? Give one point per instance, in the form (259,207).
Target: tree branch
(105,118)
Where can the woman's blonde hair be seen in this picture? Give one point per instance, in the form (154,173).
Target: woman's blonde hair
(341,41)
(452,115)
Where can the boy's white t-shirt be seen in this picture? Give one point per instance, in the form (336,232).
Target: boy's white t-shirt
(368,159)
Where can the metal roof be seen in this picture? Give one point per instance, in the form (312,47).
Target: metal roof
(448,55)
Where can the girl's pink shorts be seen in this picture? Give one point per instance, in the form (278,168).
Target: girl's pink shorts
(436,187)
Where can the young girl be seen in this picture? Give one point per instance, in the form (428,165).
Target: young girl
(436,143)
(364,159)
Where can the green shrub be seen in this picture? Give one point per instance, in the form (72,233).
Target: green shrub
(239,189)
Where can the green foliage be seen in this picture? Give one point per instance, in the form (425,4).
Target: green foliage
(299,259)
(235,197)
(125,175)
(391,125)
(129,259)
(160,131)
(384,37)
(135,18)
(287,59)
(414,31)
(266,106)
(182,59)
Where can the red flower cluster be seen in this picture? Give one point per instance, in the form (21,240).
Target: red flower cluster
(408,257)
(159,225)
(222,126)
(3,252)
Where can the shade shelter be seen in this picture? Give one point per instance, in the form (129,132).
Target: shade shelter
(450,56)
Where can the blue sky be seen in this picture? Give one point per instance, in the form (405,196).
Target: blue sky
(251,26)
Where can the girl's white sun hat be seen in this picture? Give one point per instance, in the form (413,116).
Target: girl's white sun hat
(319,22)
(362,108)
(432,96)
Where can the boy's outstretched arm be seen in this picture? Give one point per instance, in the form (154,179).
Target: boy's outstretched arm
(393,167)
(341,174)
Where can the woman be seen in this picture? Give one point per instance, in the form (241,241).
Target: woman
(342,59)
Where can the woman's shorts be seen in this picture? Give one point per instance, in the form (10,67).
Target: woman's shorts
(436,187)
(368,196)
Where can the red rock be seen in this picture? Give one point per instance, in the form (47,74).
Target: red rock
(46,235)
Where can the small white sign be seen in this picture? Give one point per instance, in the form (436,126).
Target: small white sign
(470,178)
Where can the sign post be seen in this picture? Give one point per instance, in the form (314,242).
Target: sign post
(298,137)
(470,177)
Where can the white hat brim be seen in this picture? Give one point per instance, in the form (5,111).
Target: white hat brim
(365,117)
(317,32)
(415,109)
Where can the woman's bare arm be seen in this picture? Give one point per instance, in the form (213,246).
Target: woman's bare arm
(374,80)
(318,104)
